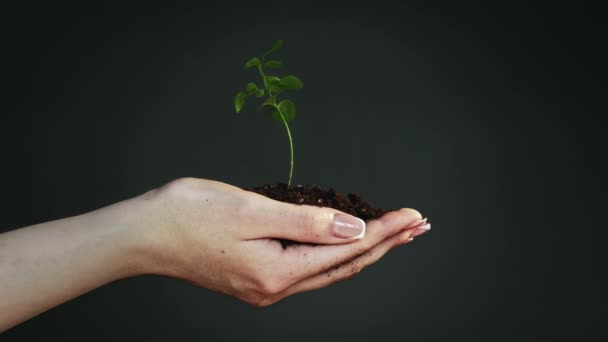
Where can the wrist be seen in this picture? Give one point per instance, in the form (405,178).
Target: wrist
(135,233)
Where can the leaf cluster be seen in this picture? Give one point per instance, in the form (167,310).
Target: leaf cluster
(272,86)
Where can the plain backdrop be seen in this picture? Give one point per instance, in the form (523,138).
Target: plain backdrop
(483,117)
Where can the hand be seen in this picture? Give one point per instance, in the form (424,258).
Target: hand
(209,233)
(226,239)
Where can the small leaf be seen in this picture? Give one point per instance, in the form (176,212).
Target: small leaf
(239,100)
(260,93)
(276,89)
(288,109)
(291,83)
(251,88)
(273,80)
(274,114)
(252,63)
(275,46)
(268,103)
(273,64)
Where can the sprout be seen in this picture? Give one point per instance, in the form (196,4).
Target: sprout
(282,110)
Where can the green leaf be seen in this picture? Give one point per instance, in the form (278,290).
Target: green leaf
(288,108)
(291,83)
(273,64)
(275,46)
(252,63)
(274,114)
(268,103)
(276,89)
(239,100)
(272,80)
(260,93)
(251,88)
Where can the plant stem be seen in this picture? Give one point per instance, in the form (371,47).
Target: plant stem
(284,123)
(290,145)
(264,79)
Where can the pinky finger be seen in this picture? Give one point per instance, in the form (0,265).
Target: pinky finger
(350,268)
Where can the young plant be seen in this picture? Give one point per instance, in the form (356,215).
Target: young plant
(273,86)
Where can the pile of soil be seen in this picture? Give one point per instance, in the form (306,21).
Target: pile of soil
(314,195)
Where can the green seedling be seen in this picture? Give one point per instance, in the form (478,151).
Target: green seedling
(282,110)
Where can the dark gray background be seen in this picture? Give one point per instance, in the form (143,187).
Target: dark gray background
(483,118)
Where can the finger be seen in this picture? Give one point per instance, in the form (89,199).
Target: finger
(268,218)
(349,269)
(305,261)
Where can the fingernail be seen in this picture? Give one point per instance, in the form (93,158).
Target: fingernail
(421,230)
(418,223)
(348,227)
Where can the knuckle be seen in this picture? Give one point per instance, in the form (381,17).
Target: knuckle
(242,209)
(267,283)
(270,287)
(413,213)
(260,290)
(304,223)
(261,301)
(183,182)
(309,221)
(264,293)
(178,187)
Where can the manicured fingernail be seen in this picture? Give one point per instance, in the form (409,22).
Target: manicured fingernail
(421,230)
(348,227)
(416,224)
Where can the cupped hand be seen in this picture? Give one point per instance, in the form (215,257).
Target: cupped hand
(227,239)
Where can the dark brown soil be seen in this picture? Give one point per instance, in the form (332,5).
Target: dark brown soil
(314,195)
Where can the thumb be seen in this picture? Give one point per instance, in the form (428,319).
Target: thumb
(309,224)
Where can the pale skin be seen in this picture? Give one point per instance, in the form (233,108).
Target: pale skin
(211,234)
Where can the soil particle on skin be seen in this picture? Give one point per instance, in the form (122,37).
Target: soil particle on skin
(314,195)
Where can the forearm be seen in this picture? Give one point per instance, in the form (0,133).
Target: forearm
(44,265)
